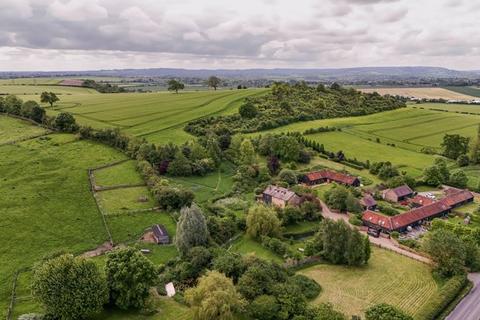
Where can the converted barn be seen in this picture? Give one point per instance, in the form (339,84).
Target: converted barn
(398,194)
(160,234)
(458,198)
(280,197)
(327,176)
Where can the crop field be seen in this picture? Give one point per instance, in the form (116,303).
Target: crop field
(46,204)
(13,130)
(388,277)
(29,91)
(471,91)
(427,93)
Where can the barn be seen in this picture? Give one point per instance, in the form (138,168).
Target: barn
(398,194)
(160,234)
(327,176)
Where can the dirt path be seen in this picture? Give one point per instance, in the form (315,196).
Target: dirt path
(380,242)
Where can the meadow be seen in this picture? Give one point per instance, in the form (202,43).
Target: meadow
(13,130)
(388,277)
(420,93)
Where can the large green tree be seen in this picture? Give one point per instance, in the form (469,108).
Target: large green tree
(130,275)
(69,287)
(175,85)
(49,97)
(191,229)
(247,153)
(454,145)
(214,298)
(447,250)
(214,82)
(262,221)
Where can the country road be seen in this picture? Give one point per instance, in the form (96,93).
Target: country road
(469,307)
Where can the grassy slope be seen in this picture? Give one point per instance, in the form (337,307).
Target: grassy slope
(46,204)
(120,174)
(35,90)
(13,129)
(389,278)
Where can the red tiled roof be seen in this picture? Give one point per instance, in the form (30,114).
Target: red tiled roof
(421,200)
(331,175)
(405,219)
(377,219)
(402,191)
(455,198)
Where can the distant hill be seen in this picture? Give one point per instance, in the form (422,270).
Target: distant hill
(340,74)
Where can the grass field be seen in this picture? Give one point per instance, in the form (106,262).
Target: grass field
(246,245)
(389,277)
(13,129)
(33,90)
(126,199)
(158,117)
(451,107)
(124,173)
(427,93)
(46,204)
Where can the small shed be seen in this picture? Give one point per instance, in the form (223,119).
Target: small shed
(170,289)
(160,234)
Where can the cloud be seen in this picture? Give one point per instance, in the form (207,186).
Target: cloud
(251,33)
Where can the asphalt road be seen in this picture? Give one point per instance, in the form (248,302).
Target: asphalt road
(469,307)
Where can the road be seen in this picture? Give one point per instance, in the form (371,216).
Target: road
(469,307)
(381,242)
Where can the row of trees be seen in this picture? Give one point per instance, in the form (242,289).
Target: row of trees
(462,149)
(175,85)
(74,288)
(439,174)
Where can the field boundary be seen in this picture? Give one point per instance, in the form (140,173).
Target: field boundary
(91,180)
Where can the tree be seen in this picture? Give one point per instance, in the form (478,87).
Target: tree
(49,97)
(65,122)
(454,145)
(129,276)
(230,264)
(174,85)
(264,307)
(336,198)
(180,166)
(286,148)
(273,165)
(458,179)
(437,174)
(247,153)
(213,82)
(447,250)
(214,298)
(463,160)
(38,114)
(288,176)
(70,288)
(214,151)
(173,198)
(191,229)
(248,110)
(475,149)
(262,221)
(385,311)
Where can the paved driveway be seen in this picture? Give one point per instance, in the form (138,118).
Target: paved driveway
(469,307)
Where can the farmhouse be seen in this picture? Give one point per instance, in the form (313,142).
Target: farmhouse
(398,194)
(326,176)
(408,219)
(368,202)
(160,234)
(279,197)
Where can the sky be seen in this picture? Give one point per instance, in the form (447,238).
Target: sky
(43,35)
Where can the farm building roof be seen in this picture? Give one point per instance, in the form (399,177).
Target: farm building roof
(368,201)
(159,230)
(455,198)
(331,175)
(72,82)
(402,191)
(421,200)
(377,219)
(410,217)
(279,192)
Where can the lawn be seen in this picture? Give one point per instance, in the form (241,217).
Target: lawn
(12,129)
(124,173)
(246,245)
(118,201)
(388,278)
(46,204)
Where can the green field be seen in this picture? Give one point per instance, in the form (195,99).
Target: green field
(46,204)
(126,199)
(246,245)
(158,117)
(471,91)
(389,277)
(13,130)
(450,107)
(123,173)
(34,90)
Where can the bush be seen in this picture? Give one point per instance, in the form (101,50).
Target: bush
(275,245)
(354,220)
(309,287)
(172,198)
(288,176)
(384,311)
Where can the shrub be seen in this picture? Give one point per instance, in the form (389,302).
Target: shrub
(309,287)
(288,176)
(385,311)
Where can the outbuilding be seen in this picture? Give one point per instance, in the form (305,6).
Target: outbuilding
(160,234)
(398,194)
